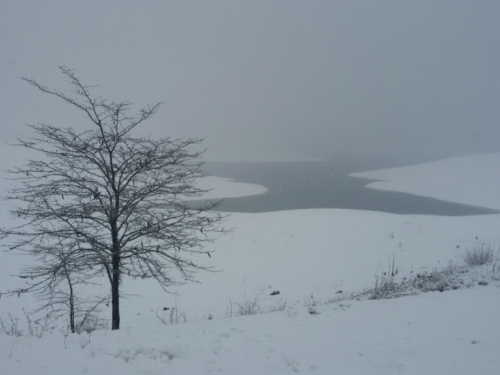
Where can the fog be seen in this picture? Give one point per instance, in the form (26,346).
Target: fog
(415,79)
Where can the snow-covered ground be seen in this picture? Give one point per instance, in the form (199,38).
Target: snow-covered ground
(309,256)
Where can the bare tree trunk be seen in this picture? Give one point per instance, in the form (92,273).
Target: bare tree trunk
(71,300)
(71,309)
(115,294)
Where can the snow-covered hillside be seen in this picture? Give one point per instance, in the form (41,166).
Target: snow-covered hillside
(312,257)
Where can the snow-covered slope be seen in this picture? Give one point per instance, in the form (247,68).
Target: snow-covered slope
(435,333)
(309,256)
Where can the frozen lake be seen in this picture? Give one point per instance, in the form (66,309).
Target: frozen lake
(305,185)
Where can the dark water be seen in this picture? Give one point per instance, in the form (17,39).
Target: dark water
(307,185)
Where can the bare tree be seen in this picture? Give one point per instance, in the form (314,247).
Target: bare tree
(112,199)
(59,278)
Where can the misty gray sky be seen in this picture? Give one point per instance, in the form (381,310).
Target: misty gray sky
(318,78)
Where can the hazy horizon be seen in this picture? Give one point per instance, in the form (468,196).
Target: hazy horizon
(410,80)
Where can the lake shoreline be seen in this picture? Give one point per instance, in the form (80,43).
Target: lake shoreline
(325,185)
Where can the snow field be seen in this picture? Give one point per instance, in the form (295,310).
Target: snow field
(308,256)
(447,333)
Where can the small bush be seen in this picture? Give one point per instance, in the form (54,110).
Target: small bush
(175,316)
(37,328)
(33,328)
(387,286)
(92,324)
(248,306)
(311,301)
(478,255)
(10,326)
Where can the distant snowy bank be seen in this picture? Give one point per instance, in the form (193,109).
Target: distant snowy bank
(220,187)
(473,180)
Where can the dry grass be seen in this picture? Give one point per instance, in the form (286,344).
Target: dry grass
(479,255)
(387,285)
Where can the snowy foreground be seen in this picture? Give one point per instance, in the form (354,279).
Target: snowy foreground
(313,258)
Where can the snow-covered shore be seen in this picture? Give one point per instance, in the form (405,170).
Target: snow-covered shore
(309,256)
(470,180)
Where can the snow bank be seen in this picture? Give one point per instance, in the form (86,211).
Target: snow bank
(220,187)
(473,180)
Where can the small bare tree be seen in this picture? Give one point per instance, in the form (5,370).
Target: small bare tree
(58,279)
(112,200)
